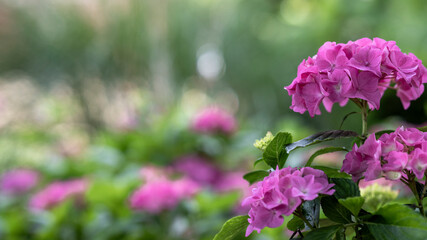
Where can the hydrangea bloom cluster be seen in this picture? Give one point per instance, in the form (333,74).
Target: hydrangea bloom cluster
(281,193)
(58,192)
(157,196)
(214,120)
(363,69)
(18,181)
(389,156)
(198,169)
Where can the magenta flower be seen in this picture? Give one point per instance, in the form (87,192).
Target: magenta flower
(281,193)
(58,192)
(230,181)
(361,158)
(404,150)
(367,59)
(18,181)
(158,196)
(154,197)
(198,169)
(418,162)
(363,69)
(214,120)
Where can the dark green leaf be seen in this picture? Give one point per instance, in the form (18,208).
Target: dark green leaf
(354,204)
(340,235)
(390,232)
(324,151)
(324,233)
(234,228)
(396,222)
(334,211)
(320,137)
(274,154)
(345,188)
(295,223)
(255,176)
(258,161)
(311,211)
(332,172)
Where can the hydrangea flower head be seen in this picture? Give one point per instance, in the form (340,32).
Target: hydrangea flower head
(363,69)
(214,120)
(281,193)
(389,156)
(18,181)
(157,196)
(58,192)
(198,169)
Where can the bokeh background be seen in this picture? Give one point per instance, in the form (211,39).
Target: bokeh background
(99,89)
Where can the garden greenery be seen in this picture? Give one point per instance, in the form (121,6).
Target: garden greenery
(359,71)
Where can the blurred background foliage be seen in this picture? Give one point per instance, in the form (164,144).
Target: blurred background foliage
(102,87)
(242,52)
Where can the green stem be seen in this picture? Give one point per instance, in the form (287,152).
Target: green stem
(411,184)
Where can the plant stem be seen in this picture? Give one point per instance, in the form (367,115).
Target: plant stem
(411,184)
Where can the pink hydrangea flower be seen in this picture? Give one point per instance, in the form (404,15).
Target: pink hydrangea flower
(230,181)
(157,196)
(361,158)
(389,156)
(363,69)
(198,169)
(18,181)
(281,193)
(58,192)
(214,120)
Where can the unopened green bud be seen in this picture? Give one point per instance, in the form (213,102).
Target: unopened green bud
(377,195)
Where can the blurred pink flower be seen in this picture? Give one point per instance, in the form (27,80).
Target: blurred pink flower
(58,192)
(157,196)
(153,173)
(231,181)
(214,120)
(18,181)
(198,169)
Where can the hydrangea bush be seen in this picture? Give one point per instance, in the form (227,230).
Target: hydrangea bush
(326,203)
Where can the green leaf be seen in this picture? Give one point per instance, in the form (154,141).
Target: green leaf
(311,211)
(274,154)
(354,204)
(295,223)
(340,235)
(396,222)
(234,228)
(324,151)
(255,176)
(323,233)
(320,137)
(332,172)
(345,188)
(334,211)
(423,129)
(258,161)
